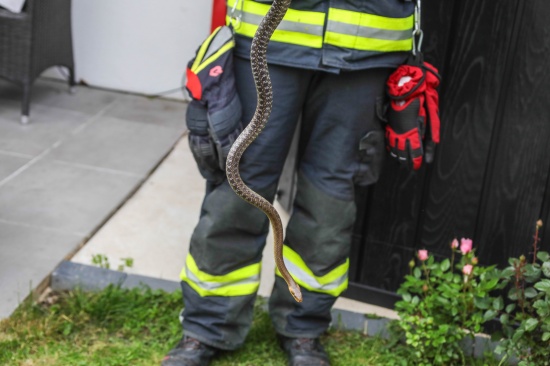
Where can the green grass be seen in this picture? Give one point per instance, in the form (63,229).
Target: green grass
(139,326)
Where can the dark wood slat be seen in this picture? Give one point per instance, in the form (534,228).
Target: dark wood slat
(515,190)
(474,78)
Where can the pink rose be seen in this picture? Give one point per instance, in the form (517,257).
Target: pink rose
(422,254)
(454,244)
(465,245)
(467,269)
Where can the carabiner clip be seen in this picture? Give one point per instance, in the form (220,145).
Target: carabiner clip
(417,31)
(236,20)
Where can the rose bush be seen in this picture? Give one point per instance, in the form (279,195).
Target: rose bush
(445,301)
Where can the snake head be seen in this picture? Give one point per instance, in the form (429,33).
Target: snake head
(295,292)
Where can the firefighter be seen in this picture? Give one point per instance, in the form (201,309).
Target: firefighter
(328,61)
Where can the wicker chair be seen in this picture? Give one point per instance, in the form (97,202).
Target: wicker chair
(32,41)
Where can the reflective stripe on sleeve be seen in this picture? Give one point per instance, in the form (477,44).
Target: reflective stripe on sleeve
(332,283)
(241,282)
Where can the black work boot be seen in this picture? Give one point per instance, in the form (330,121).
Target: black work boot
(304,351)
(189,352)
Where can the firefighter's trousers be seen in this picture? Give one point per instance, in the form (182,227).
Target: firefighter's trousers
(222,270)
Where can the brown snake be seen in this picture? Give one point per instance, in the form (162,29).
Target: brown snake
(263,110)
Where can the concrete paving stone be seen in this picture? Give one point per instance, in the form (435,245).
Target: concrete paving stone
(64,197)
(158,112)
(119,145)
(47,126)
(27,256)
(10,163)
(154,226)
(55,93)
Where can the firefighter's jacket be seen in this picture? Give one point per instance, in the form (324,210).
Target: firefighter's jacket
(330,35)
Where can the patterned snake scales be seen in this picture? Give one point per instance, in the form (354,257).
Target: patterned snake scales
(263,110)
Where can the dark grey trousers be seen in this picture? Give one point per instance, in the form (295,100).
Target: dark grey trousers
(336,112)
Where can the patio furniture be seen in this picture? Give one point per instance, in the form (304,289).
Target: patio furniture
(31,41)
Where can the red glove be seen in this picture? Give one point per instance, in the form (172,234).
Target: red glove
(413,113)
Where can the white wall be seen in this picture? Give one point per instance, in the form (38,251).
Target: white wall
(140,46)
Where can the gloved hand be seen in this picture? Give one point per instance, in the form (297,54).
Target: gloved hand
(412,128)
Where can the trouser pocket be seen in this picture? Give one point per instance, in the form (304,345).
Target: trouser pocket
(211,135)
(371,158)
(201,144)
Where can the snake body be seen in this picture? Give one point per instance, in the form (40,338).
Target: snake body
(264,92)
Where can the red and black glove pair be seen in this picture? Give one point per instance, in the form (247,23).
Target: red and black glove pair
(413,113)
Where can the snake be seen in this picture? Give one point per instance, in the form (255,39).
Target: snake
(264,92)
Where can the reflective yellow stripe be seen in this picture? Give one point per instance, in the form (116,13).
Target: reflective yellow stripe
(300,39)
(332,283)
(367,44)
(368,32)
(293,15)
(370,20)
(203,49)
(243,281)
(303,28)
(198,68)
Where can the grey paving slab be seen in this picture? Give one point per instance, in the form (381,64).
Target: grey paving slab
(63,197)
(48,125)
(10,163)
(55,93)
(117,144)
(158,112)
(27,256)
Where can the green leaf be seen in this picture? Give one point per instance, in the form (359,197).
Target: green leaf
(543,256)
(545,336)
(513,294)
(517,335)
(482,302)
(531,324)
(508,272)
(504,318)
(406,297)
(417,272)
(491,284)
(543,285)
(489,314)
(445,265)
(510,308)
(530,292)
(546,269)
(498,303)
(532,272)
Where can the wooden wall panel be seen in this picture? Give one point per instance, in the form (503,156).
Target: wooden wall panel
(491,177)
(514,191)
(474,79)
(394,203)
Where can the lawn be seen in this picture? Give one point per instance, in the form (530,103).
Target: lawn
(137,327)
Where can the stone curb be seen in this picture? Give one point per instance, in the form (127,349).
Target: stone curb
(70,275)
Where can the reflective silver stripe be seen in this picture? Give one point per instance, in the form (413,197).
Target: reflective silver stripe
(285,25)
(210,286)
(311,282)
(368,32)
